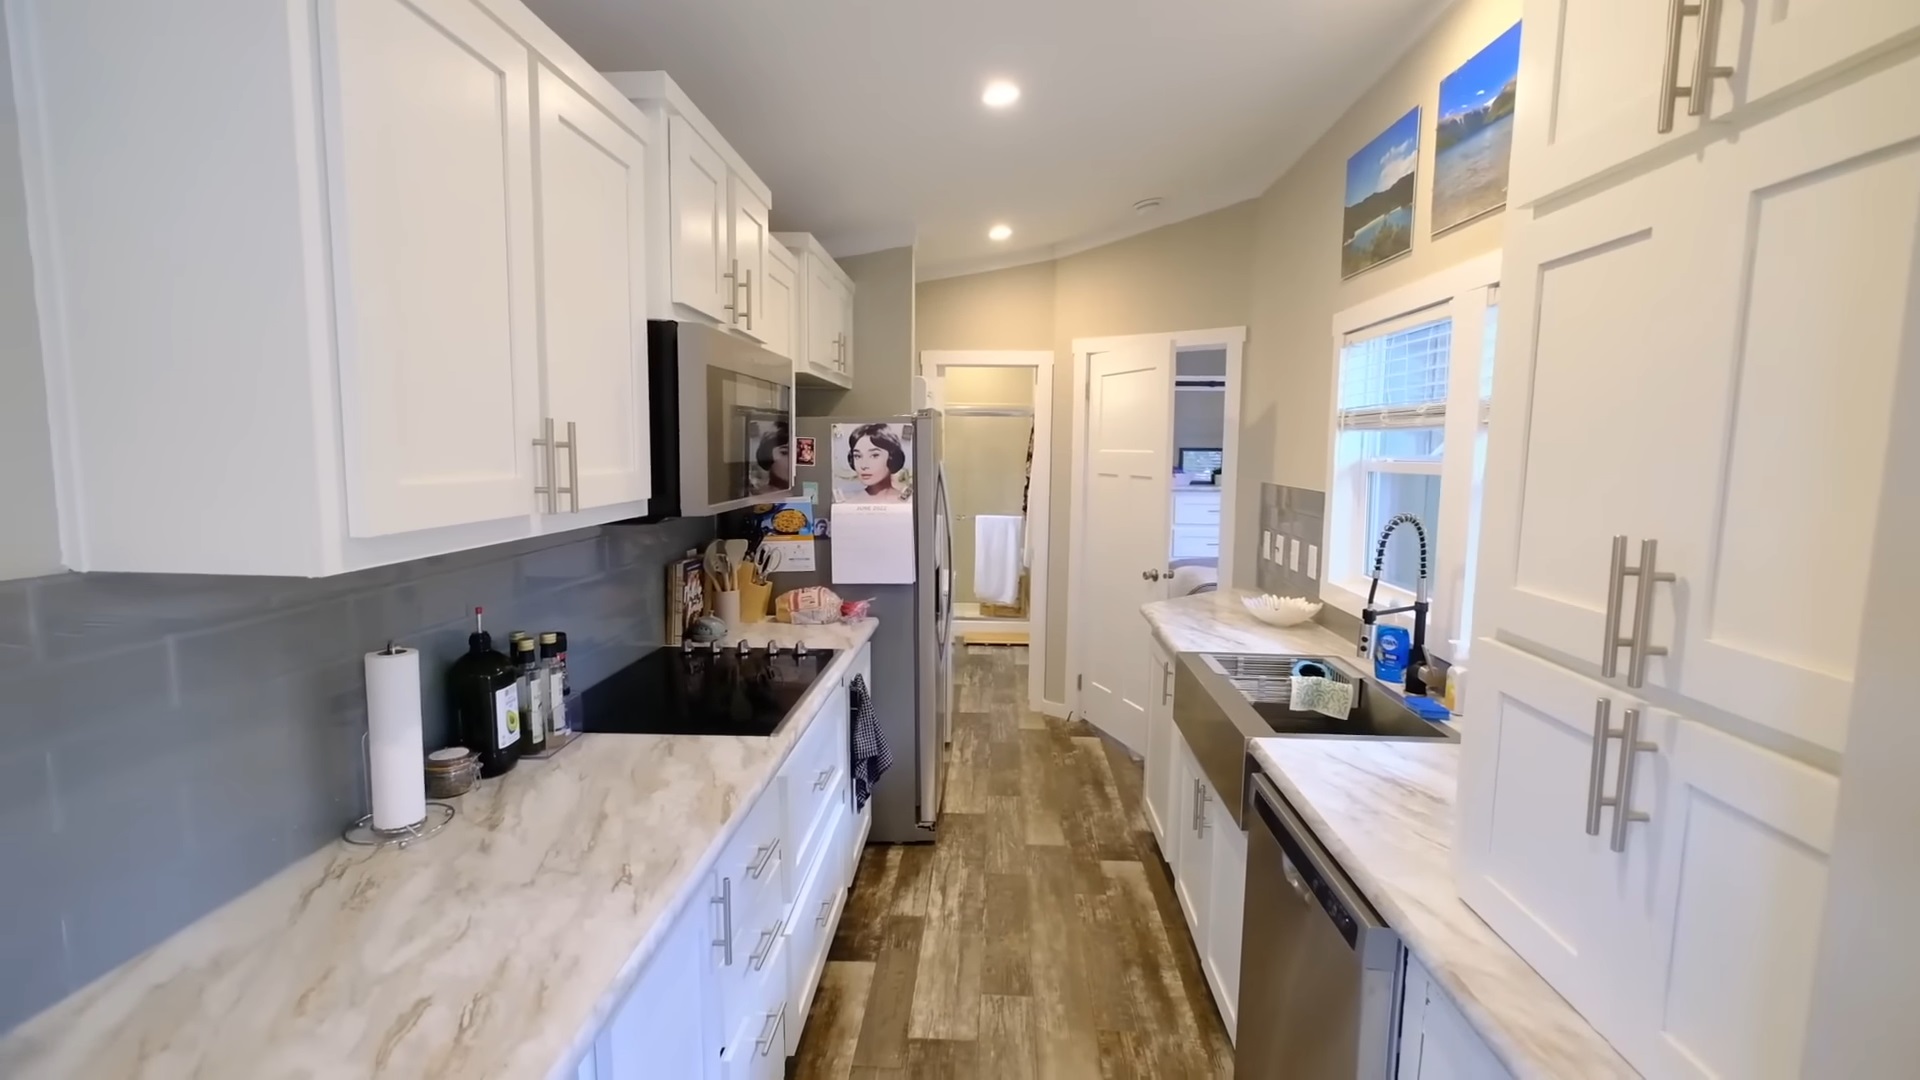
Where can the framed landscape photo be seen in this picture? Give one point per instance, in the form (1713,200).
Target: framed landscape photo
(1473,141)
(1378,221)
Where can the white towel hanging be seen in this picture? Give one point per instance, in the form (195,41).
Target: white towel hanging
(998,552)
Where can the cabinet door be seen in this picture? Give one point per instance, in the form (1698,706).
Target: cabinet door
(846,328)
(662,1028)
(1807,38)
(593,293)
(697,192)
(1226,900)
(779,310)
(825,316)
(1808,286)
(749,259)
(1591,75)
(1741,838)
(1158,785)
(429,165)
(1596,429)
(1450,1049)
(1192,868)
(1526,862)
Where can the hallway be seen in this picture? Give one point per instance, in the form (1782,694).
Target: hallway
(1039,937)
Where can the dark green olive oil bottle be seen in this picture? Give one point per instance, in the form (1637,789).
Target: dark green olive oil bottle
(486,702)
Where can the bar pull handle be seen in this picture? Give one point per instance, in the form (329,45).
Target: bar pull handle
(1597,762)
(552,476)
(1193,819)
(1616,592)
(733,291)
(1678,12)
(768,938)
(1166,684)
(748,309)
(1649,575)
(767,1031)
(725,900)
(1705,70)
(1630,750)
(572,447)
(761,859)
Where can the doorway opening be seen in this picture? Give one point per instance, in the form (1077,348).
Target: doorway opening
(1199,469)
(997,409)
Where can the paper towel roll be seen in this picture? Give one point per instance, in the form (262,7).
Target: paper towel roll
(395,747)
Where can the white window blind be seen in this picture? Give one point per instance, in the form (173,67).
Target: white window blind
(1395,376)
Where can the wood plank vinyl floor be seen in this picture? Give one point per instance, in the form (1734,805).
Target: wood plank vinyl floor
(1037,937)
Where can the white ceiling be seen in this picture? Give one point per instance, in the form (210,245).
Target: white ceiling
(864,116)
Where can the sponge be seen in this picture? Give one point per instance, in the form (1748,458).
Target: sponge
(1324,696)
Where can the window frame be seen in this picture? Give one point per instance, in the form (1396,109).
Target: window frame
(1467,288)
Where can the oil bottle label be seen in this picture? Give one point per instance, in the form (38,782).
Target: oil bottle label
(506,714)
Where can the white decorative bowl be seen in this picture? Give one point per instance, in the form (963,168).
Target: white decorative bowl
(1281,610)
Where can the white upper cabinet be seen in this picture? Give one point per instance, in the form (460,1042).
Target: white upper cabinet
(748,269)
(319,321)
(779,312)
(1699,344)
(1606,81)
(824,351)
(714,266)
(702,270)
(428,142)
(593,266)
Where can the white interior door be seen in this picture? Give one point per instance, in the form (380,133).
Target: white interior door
(697,183)
(593,293)
(1128,477)
(429,159)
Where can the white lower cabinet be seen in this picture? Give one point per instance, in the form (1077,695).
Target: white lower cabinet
(1161,738)
(727,994)
(1206,851)
(1435,1041)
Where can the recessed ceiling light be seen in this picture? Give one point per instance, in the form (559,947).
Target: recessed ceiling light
(1000,93)
(1000,232)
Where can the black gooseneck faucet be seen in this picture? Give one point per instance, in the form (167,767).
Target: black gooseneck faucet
(1369,615)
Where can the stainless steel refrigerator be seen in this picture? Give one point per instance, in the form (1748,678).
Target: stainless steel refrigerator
(912,650)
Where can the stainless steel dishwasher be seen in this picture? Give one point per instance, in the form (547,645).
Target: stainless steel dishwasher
(1319,969)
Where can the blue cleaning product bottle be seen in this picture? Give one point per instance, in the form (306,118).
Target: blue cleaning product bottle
(1391,647)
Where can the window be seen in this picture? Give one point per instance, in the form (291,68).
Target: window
(1413,385)
(1391,420)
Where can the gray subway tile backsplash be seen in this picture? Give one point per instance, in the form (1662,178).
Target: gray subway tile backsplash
(167,742)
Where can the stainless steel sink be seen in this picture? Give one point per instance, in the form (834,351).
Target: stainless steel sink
(1221,700)
(1266,684)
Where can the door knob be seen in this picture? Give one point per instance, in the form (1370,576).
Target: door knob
(1150,575)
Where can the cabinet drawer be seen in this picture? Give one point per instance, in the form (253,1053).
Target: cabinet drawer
(756,1046)
(815,775)
(1195,543)
(816,911)
(1196,508)
(752,872)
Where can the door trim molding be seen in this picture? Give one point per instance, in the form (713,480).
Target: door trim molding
(1233,339)
(1039,493)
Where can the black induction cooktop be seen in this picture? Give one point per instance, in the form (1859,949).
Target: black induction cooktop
(700,691)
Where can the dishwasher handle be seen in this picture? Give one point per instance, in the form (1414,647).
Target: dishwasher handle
(1318,880)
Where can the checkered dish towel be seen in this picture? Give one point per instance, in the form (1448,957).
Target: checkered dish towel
(870,754)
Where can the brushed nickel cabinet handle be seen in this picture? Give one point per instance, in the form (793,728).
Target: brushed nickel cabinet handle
(733,291)
(768,938)
(820,782)
(1630,750)
(1649,575)
(1704,69)
(749,305)
(1166,684)
(1603,731)
(545,441)
(761,859)
(572,447)
(1678,12)
(725,900)
(765,1042)
(826,908)
(1616,592)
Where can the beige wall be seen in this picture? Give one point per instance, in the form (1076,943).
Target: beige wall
(30,543)
(884,357)
(1271,264)
(1296,257)
(1190,275)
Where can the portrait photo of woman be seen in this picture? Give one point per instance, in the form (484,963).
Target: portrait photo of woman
(772,457)
(873,463)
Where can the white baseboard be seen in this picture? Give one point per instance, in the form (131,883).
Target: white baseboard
(1055,708)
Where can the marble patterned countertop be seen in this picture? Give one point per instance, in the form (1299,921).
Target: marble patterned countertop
(497,948)
(1385,812)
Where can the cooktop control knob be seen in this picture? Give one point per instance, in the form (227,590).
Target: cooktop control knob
(714,649)
(799,649)
(745,649)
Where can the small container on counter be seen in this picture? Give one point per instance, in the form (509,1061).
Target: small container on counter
(553,665)
(534,708)
(451,771)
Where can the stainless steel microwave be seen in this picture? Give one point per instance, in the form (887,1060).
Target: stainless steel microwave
(722,421)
